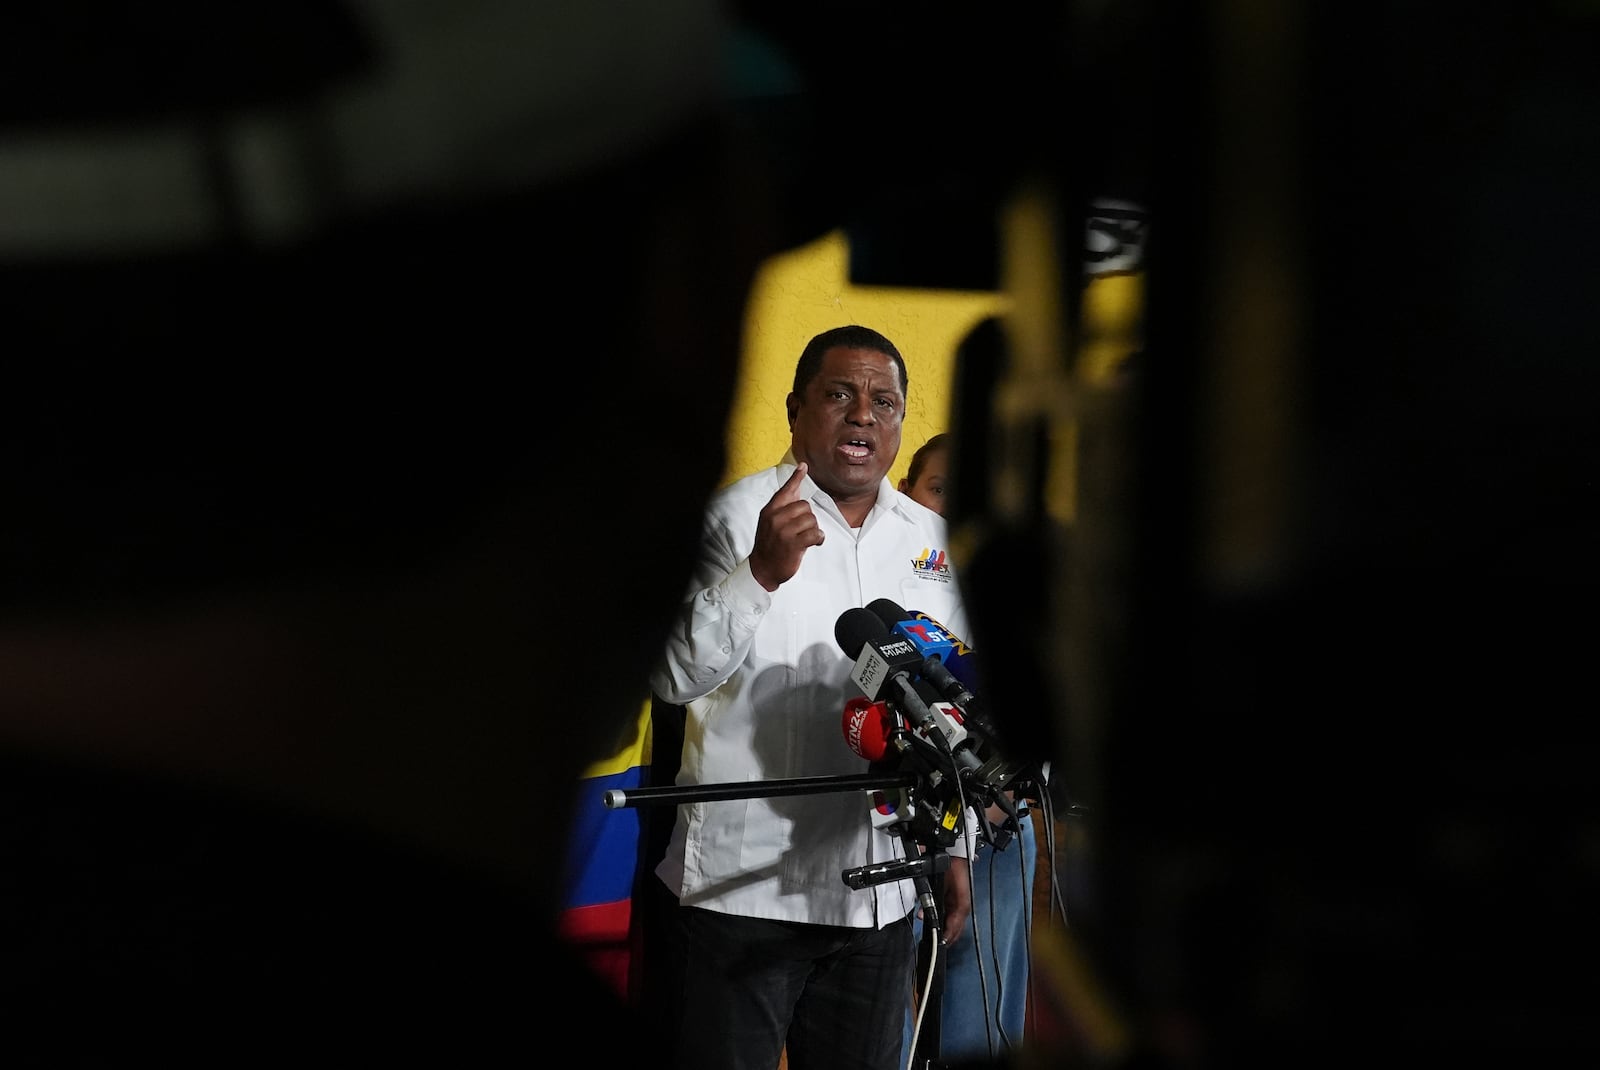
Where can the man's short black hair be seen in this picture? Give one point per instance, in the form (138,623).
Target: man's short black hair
(852,336)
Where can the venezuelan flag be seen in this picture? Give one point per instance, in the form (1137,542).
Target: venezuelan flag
(602,859)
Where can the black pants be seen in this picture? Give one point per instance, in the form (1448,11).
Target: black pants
(730,993)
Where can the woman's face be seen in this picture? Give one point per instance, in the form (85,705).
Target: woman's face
(929,489)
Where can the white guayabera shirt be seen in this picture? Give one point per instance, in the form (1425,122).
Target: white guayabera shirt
(764,682)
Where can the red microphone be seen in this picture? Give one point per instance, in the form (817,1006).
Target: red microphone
(867,725)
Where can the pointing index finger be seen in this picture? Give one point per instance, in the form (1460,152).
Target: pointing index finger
(790,491)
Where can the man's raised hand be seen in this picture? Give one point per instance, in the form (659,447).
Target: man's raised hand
(786,530)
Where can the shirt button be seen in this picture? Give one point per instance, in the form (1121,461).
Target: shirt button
(727,650)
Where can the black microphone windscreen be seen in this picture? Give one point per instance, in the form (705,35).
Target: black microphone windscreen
(855,628)
(888,611)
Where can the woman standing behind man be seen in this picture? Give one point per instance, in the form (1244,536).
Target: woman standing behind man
(986,973)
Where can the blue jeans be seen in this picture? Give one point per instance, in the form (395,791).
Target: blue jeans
(973,1027)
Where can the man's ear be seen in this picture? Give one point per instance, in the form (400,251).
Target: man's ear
(904,486)
(792,403)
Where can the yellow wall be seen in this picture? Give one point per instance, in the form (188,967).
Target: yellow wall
(806,291)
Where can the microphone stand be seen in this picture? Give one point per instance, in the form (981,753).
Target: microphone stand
(918,865)
(617,798)
(925,1038)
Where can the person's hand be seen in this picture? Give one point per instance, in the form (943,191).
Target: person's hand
(957,899)
(786,530)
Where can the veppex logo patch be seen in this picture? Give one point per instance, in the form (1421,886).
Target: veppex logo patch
(930,564)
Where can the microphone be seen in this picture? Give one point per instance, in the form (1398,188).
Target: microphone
(964,719)
(930,636)
(900,869)
(867,726)
(874,732)
(931,639)
(884,663)
(948,663)
(880,656)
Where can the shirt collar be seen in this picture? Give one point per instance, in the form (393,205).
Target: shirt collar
(889,499)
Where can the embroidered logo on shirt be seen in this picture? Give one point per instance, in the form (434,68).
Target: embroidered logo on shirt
(931,565)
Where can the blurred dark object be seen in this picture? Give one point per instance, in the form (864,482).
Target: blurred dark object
(1333,525)
(291,295)
(1342,810)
